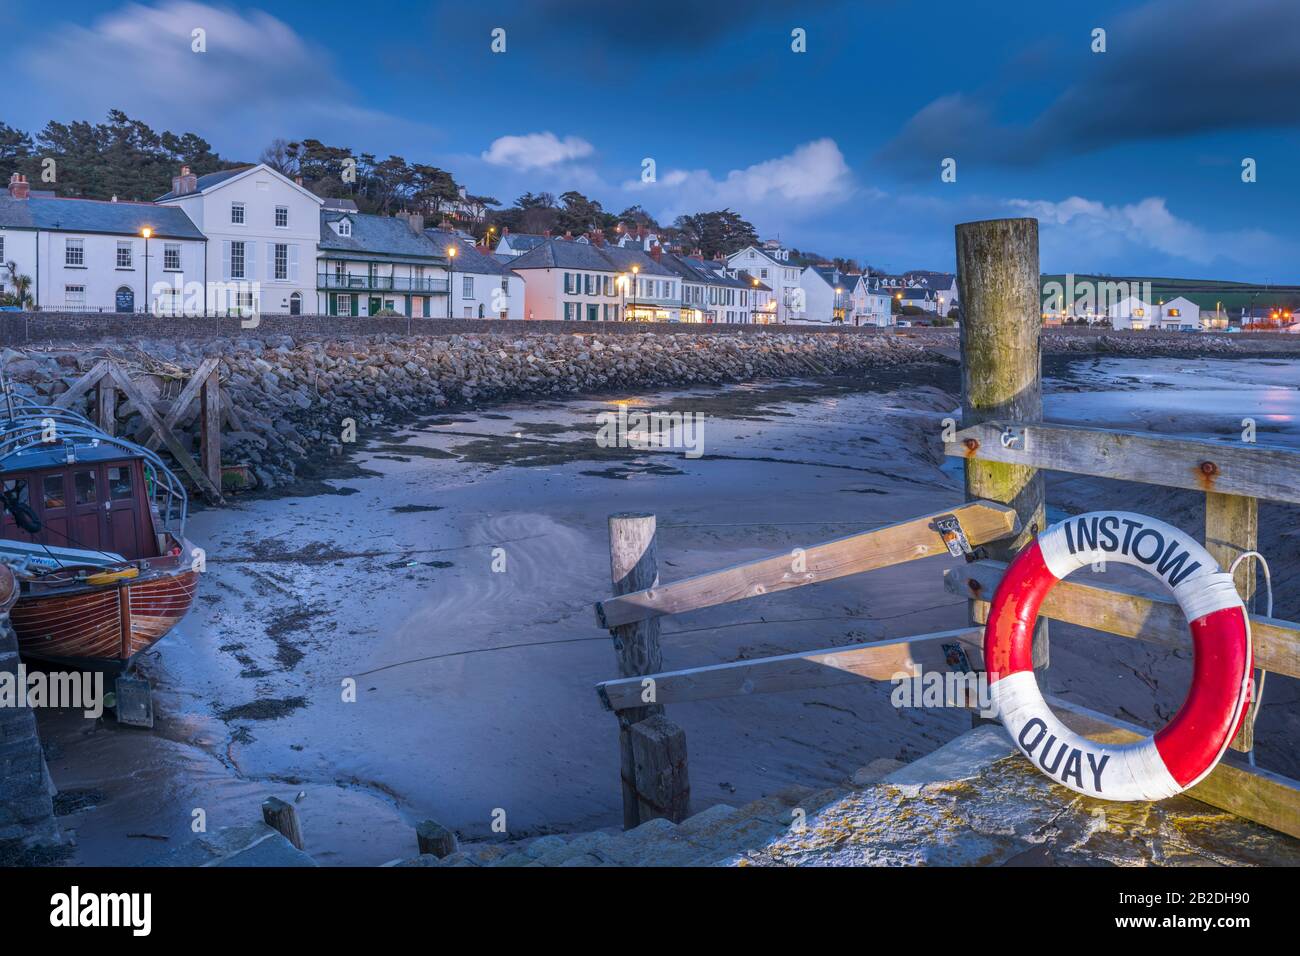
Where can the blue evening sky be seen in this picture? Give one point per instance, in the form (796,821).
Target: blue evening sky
(1130,158)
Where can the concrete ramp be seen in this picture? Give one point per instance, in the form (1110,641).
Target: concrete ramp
(977,801)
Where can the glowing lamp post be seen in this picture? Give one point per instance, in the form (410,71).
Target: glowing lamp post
(146,232)
(451,276)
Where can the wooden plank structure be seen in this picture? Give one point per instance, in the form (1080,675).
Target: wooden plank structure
(107,378)
(1005,447)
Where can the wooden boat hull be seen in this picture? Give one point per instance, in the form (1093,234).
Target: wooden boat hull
(102,626)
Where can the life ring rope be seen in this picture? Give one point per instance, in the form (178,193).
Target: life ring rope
(1184,751)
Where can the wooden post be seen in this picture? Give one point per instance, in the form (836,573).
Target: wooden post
(210,428)
(659,756)
(1232,527)
(106,405)
(283,817)
(434,838)
(634,566)
(1001,371)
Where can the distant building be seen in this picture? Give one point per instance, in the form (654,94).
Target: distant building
(870,306)
(1131,312)
(771,265)
(584,281)
(482,285)
(1180,314)
(517,243)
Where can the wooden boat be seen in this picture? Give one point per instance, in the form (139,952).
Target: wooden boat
(113,572)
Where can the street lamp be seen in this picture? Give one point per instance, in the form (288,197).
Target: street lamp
(146,232)
(635,272)
(451,276)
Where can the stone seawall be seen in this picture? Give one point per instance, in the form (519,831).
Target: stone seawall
(290,398)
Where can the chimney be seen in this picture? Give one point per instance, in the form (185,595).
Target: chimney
(568,234)
(18,188)
(505,231)
(298,180)
(185,183)
(596,237)
(415,222)
(657,252)
(546,233)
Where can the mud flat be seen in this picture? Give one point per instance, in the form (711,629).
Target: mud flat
(474,685)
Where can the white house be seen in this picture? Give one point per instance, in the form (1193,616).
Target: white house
(828,293)
(870,306)
(372,265)
(482,286)
(1131,312)
(91,255)
(261,228)
(771,265)
(711,293)
(517,243)
(1180,313)
(584,281)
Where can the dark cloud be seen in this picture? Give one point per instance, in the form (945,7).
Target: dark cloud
(1172,68)
(686,26)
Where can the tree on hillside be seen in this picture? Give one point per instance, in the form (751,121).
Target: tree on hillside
(580,214)
(15,147)
(122,157)
(715,233)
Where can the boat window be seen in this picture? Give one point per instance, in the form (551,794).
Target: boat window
(52,489)
(84,482)
(22,484)
(119,483)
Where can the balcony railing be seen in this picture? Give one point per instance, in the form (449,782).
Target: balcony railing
(365,283)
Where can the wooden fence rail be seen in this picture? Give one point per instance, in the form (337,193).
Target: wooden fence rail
(1005,447)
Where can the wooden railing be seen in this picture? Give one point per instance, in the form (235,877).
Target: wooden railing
(1005,446)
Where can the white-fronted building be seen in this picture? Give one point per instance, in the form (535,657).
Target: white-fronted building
(261,227)
(89,255)
(1132,312)
(771,265)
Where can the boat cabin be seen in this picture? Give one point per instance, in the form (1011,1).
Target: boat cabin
(99,502)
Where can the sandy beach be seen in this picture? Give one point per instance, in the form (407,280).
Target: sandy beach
(474,686)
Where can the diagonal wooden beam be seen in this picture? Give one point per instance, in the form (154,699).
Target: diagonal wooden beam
(82,386)
(982,521)
(178,451)
(183,401)
(1119,611)
(878,660)
(1253,470)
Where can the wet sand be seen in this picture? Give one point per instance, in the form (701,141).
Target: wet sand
(474,686)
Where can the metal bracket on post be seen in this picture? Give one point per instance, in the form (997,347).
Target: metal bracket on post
(954,537)
(1014,438)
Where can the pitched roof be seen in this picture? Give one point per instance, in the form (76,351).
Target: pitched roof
(469,257)
(522,241)
(570,254)
(206,182)
(377,236)
(95,216)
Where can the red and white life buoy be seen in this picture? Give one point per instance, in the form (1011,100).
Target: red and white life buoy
(1190,745)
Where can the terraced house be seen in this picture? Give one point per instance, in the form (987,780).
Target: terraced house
(379,265)
(87,255)
(588,281)
(261,228)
